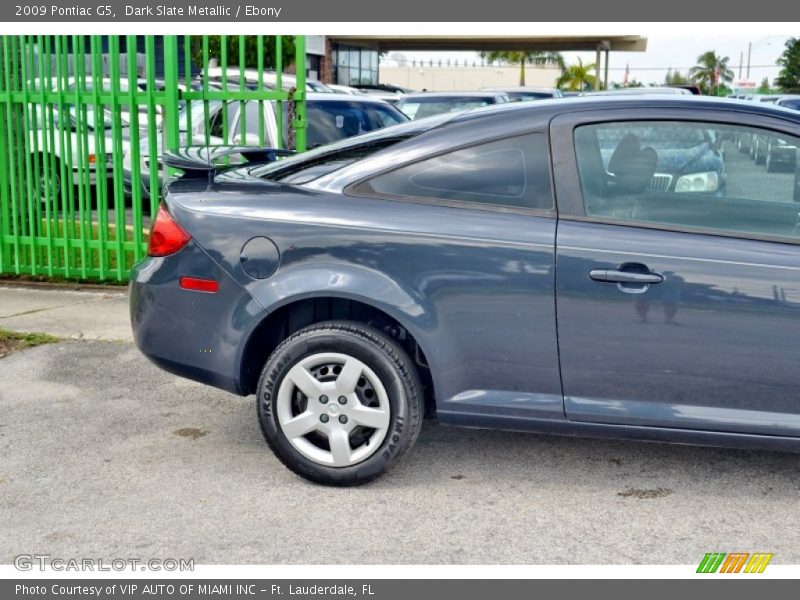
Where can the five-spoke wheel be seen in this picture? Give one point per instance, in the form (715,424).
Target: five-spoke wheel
(339,402)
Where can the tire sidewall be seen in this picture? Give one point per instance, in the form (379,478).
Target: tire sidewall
(399,435)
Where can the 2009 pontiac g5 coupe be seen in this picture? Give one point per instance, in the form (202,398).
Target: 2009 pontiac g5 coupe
(596,266)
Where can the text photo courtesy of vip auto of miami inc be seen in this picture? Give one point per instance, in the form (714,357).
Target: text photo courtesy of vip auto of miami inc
(396,304)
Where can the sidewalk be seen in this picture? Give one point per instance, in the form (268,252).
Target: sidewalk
(66,313)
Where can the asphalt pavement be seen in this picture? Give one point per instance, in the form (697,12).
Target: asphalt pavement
(105,455)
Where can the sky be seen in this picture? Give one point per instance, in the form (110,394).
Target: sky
(666,50)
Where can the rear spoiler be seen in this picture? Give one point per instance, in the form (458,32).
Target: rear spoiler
(206,161)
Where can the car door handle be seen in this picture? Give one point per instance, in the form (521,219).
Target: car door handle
(617,276)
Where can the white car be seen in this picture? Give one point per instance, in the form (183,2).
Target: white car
(77,149)
(104,86)
(268,78)
(331,117)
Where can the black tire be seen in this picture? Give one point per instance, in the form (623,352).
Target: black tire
(54,179)
(387,360)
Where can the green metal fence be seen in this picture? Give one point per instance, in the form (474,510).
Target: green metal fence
(84,119)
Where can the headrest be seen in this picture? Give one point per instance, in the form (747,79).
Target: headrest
(633,166)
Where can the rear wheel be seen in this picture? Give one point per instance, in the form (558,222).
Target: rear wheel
(49,185)
(339,403)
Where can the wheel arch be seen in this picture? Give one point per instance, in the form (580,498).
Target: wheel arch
(304,310)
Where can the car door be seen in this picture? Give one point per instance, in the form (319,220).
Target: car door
(678,271)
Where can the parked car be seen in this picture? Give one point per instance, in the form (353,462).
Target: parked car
(636,91)
(769,149)
(384,87)
(524,93)
(490,268)
(104,85)
(330,117)
(251,76)
(76,150)
(426,104)
(390,97)
(789,101)
(690,158)
(344,89)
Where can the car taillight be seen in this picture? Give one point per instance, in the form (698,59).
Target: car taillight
(166,236)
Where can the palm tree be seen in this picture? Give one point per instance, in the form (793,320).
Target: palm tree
(577,77)
(711,71)
(522,58)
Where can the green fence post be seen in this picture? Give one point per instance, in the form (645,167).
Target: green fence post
(170,116)
(135,150)
(300,94)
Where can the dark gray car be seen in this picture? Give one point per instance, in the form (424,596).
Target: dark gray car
(520,267)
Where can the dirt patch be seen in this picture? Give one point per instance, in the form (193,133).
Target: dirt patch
(191,432)
(456,477)
(645,494)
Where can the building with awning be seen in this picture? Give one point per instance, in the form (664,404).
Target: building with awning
(354,59)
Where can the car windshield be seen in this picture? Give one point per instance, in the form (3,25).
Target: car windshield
(794,103)
(330,121)
(418,108)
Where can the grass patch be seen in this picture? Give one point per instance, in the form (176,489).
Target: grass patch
(11,341)
(82,263)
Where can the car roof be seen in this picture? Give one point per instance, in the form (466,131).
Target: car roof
(468,94)
(675,91)
(327,97)
(556,106)
(520,88)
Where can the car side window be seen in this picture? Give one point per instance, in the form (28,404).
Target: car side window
(253,118)
(513,172)
(717,177)
(216,129)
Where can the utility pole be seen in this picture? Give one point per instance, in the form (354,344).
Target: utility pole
(749,49)
(597,68)
(741,60)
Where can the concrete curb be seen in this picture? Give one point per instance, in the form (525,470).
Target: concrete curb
(66,312)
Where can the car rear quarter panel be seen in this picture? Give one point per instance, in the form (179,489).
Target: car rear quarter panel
(473,287)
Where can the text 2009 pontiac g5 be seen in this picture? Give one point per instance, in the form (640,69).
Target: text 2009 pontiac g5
(592,266)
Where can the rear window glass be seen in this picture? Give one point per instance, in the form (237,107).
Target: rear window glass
(512,172)
(326,159)
(299,172)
